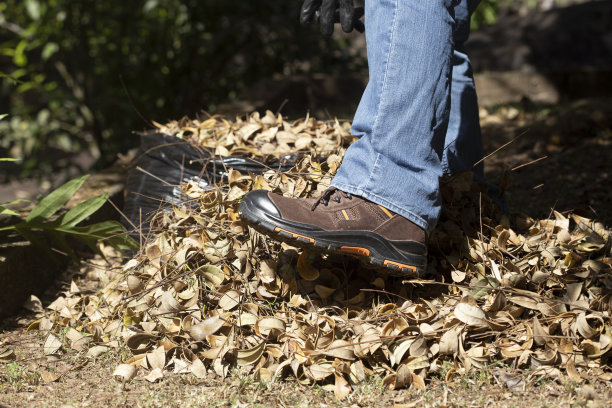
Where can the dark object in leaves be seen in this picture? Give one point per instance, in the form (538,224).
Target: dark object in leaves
(164,162)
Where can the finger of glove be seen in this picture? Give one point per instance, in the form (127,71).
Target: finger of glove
(347,9)
(357,23)
(358,13)
(328,9)
(359,26)
(307,12)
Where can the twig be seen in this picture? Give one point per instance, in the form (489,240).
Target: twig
(148,122)
(282,105)
(154,176)
(527,164)
(499,148)
(122,214)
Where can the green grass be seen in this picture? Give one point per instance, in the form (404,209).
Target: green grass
(17,377)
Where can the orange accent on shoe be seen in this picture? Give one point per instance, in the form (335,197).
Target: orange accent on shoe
(356,250)
(346,217)
(399,265)
(386,211)
(294,235)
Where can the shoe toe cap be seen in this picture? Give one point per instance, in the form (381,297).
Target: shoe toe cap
(257,202)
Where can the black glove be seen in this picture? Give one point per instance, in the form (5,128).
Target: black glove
(328,12)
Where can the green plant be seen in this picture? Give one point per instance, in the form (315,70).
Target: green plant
(58,228)
(485,14)
(13,372)
(15,375)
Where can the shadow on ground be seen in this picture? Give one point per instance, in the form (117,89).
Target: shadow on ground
(572,142)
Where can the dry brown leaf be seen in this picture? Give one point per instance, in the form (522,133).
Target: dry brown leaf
(209,326)
(125,372)
(229,300)
(318,372)
(449,342)
(52,345)
(305,269)
(97,351)
(250,356)
(358,372)
(341,349)
(572,372)
(154,375)
(469,313)
(341,387)
(48,376)
(157,358)
(399,350)
(203,283)
(198,369)
(33,304)
(7,354)
(418,382)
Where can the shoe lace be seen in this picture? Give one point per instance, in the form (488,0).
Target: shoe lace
(327,195)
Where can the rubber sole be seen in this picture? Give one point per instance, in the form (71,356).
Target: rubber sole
(366,245)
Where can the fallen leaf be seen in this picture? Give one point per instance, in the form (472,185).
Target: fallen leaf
(124,372)
(229,300)
(155,375)
(341,388)
(48,376)
(97,351)
(250,356)
(52,345)
(470,314)
(7,354)
(198,369)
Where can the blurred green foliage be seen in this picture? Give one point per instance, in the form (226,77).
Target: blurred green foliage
(485,14)
(67,66)
(65,60)
(489,11)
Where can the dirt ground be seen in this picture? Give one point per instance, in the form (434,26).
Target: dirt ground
(558,158)
(83,383)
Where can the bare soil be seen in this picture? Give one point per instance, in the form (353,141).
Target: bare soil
(572,143)
(83,383)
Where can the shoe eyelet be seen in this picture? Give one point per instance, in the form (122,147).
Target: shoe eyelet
(337,199)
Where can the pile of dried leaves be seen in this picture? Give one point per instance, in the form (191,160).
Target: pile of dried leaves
(206,295)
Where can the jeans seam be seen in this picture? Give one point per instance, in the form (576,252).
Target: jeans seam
(445,163)
(383,87)
(375,167)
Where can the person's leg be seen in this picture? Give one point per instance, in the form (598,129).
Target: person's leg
(386,193)
(403,115)
(463,144)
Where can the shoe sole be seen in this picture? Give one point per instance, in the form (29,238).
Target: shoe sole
(366,245)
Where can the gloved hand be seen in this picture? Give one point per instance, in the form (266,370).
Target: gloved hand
(329,12)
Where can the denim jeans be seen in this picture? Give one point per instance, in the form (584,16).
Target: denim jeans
(418,117)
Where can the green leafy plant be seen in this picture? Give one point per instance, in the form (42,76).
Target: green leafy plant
(59,228)
(486,14)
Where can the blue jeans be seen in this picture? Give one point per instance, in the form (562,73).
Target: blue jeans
(418,117)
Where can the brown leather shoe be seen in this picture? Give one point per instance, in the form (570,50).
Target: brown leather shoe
(340,222)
